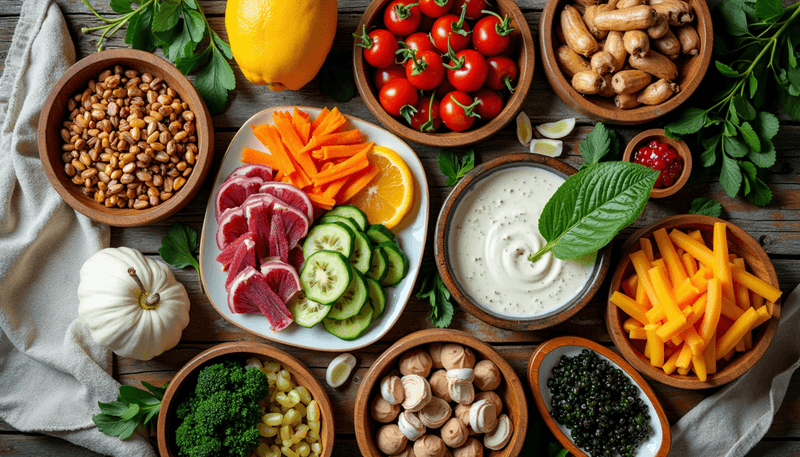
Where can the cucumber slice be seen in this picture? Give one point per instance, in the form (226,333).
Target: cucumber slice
(378,234)
(307,312)
(397,265)
(353,213)
(362,253)
(326,219)
(352,328)
(326,276)
(378,265)
(353,299)
(334,236)
(377,298)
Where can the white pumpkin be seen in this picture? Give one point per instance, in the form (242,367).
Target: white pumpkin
(132,304)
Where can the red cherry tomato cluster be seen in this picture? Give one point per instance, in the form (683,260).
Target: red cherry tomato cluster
(441,62)
(662,157)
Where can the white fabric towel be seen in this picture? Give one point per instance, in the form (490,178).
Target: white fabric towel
(52,374)
(733,420)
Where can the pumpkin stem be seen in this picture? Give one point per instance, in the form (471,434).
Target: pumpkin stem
(146,299)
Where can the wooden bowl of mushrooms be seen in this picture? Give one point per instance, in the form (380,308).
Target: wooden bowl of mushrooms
(439,391)
(625,61)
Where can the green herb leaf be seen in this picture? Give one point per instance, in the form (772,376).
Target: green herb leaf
(167,15)
(726,70)
(596,145)
(121,6)
(759,194)
(766,158)
(222,45)
(691,120)
(157,392)
(750,137)
(706,207)
(133,406)
(139,33)
(768,9)
(709,155)
(789,103)
(730,177)
(195,24)
(592,206)
(114,408)
(180,46)
(190,4)
(733,17)
(336,77)
(433,289)
(734,146)
(191,63)
(744,108)
(767,125)
(453,167)
(177,248)
(214,81)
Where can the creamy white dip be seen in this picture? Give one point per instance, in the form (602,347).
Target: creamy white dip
(493,231)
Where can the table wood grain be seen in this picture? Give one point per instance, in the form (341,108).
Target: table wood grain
(776,227)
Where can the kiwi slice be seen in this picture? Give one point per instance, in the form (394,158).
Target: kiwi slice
(325,276)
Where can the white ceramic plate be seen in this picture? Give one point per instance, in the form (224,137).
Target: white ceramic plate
(410,234)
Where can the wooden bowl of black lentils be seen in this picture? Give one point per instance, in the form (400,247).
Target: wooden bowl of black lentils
(125,138)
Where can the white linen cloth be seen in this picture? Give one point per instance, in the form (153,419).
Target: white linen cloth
(733,420)
(52,374)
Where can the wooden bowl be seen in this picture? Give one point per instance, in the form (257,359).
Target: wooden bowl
(691,71)
(756,261)
(183,383)
(74,81)
(445,264)
(680,147)
(373,17)
(541,366)
(510,391)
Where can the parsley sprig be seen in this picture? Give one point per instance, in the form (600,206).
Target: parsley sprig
(177,27)
(755,54)
(454,168)
(133,407)
(433,289)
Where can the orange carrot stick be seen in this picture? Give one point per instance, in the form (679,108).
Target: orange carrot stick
(360,180)
(260,158)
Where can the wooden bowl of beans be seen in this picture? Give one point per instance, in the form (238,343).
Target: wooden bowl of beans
(124,138)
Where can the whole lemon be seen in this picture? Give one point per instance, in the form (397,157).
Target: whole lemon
(280,43)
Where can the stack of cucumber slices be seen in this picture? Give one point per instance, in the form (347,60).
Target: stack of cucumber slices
(348,263)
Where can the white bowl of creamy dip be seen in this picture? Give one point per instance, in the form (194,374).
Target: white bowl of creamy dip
(486,230)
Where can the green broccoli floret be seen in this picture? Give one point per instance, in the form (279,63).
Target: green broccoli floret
(220,417)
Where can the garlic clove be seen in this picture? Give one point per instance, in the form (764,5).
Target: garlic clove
(339,370)
(556,130)
(499,437)
(549,148)
(524,130)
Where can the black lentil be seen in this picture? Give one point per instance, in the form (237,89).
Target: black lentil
(599,405)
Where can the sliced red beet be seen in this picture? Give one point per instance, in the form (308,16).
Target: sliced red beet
(254,171)
(282,278)
(258,211)
(226,256)
(245,257)
(234,191)
(232,225)
(250,291)
(293,196)
(290,226)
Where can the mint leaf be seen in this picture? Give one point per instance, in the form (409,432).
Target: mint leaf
(133,406)
(453,167)
(730,177)
(214,81)
(121,6)
(691,120)
(768,9)
(178,246)
(167,15)
(592,206)
(706,207)
(596,145)
(750,137)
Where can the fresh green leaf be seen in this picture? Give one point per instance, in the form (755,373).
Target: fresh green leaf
(433,289)
(691,120)
(114,408)
(766,158)
(750,137)
(766,125)
(453,167)
(191,63)
(180,46)
(596,145)
(336,77)
(139,33)
(744,108)
(753,84)
(709,155)
(167,15)
(192,4)
(112,425)
(221,44)
(768,9)
(133,410)
(730,127)
(705,206)
(556,450)
(734,147)
(592,206)
(730,176)
(177,248)
(136,395)
(734,117)
(157,392)
(789,103)
(791,52)
(759,194)
(725,70)
(214,81)
(195,24)
(121,6)
(734,17)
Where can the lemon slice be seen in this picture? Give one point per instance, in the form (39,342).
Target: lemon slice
(339,370)
(549,148)
(556,130)
(524,130)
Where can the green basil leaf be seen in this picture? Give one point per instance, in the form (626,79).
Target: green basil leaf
(768,9)
(750,137)
(167,15)
(730,176)
(596,145)
(195,24)
(705,206)
(725,70)
(766,158)
(744,108)
(734,147)
(177,248)
(592,206)
(214,81)
(121,6)
(691,120)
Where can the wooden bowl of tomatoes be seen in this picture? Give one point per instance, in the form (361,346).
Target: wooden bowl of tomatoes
(443,75)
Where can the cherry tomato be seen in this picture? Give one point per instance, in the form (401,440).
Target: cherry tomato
(457,110)
(450,28)
(379,47)
(399,97)
(468,70)
(444,88)
(490,36)
(435,8)
(421,121)
(474,8)
(491,103)
(420,41)
(384,75)
(425,70)
(502,71)
(402,17)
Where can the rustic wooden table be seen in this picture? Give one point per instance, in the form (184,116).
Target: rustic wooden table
(776,227)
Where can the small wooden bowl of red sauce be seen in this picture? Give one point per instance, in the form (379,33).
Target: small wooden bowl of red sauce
(644,140)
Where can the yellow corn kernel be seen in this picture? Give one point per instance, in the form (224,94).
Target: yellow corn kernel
(290,417)
(312,436)
(316,448)
(267,431)
(305,395)
(312,412)
(303,449)
(273,419)
(286,433)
